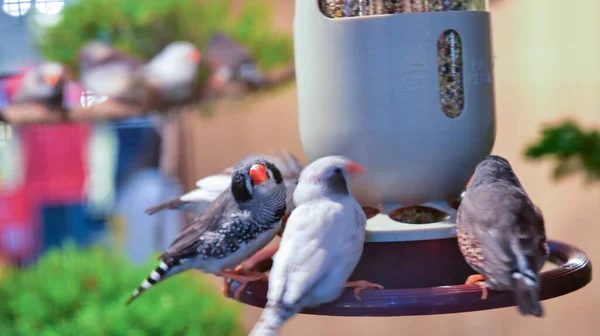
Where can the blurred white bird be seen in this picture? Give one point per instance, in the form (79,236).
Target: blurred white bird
(320,247)
(109,72)
(42,84)
(172,72)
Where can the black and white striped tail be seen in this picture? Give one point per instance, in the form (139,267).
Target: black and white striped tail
(155,276)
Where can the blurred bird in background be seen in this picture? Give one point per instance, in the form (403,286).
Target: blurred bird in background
(42,84)
(230,62)
(172,73)
(241,221)
(320,247)
(109,72)
(501,234)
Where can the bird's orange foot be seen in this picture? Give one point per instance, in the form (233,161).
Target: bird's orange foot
(479,280)
(361,285)
(240,270)
(243,276)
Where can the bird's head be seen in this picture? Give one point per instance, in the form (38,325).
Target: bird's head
(94,53)
(327,176)
(182,52)
(255,180)
(493,168)
(51,74)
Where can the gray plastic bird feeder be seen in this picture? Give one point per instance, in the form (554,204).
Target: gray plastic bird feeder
(410,96)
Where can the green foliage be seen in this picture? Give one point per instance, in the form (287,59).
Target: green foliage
(573,150)
(83,292)
(143,28)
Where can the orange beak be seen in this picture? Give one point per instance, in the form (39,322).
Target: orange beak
(355,169)
(52,80)
(468,183)
(258,174)
(195,56)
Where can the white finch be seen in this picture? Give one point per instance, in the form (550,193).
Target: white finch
(320,247)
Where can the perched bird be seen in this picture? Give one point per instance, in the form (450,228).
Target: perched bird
(501,234)
(172,72)
(320,247)
(43,84)
(109,72)
(210,187)
(230,62)
(241,221)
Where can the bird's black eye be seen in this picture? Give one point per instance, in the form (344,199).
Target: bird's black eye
(337,171)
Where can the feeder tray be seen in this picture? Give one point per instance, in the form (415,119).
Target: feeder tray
(425,278)
(421,268)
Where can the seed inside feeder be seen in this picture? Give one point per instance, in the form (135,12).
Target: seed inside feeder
(348,8)
(450,68)
(418,214)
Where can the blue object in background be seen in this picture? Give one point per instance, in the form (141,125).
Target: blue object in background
(62,222)
(133,134)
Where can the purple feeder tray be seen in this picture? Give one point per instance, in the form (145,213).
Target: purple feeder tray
(425,278)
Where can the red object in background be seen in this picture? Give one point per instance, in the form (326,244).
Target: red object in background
(12,83)
(56,162)
(17,240)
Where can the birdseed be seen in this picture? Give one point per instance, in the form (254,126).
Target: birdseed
(450,65)
(418,215)
(450,69)
(344,8)
(348,8)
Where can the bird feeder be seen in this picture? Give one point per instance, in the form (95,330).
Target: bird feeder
(410,96)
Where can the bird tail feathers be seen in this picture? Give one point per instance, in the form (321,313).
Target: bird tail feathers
(170,204)
(162,271)
(526,291)
(272,318)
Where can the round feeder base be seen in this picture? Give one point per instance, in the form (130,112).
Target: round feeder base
(425,278)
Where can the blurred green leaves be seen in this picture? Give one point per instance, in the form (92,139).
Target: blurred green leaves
(143,28)
(83,292)
(573,150)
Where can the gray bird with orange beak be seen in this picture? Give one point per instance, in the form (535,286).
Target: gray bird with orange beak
(501,234)
(240,222)
(42,84)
